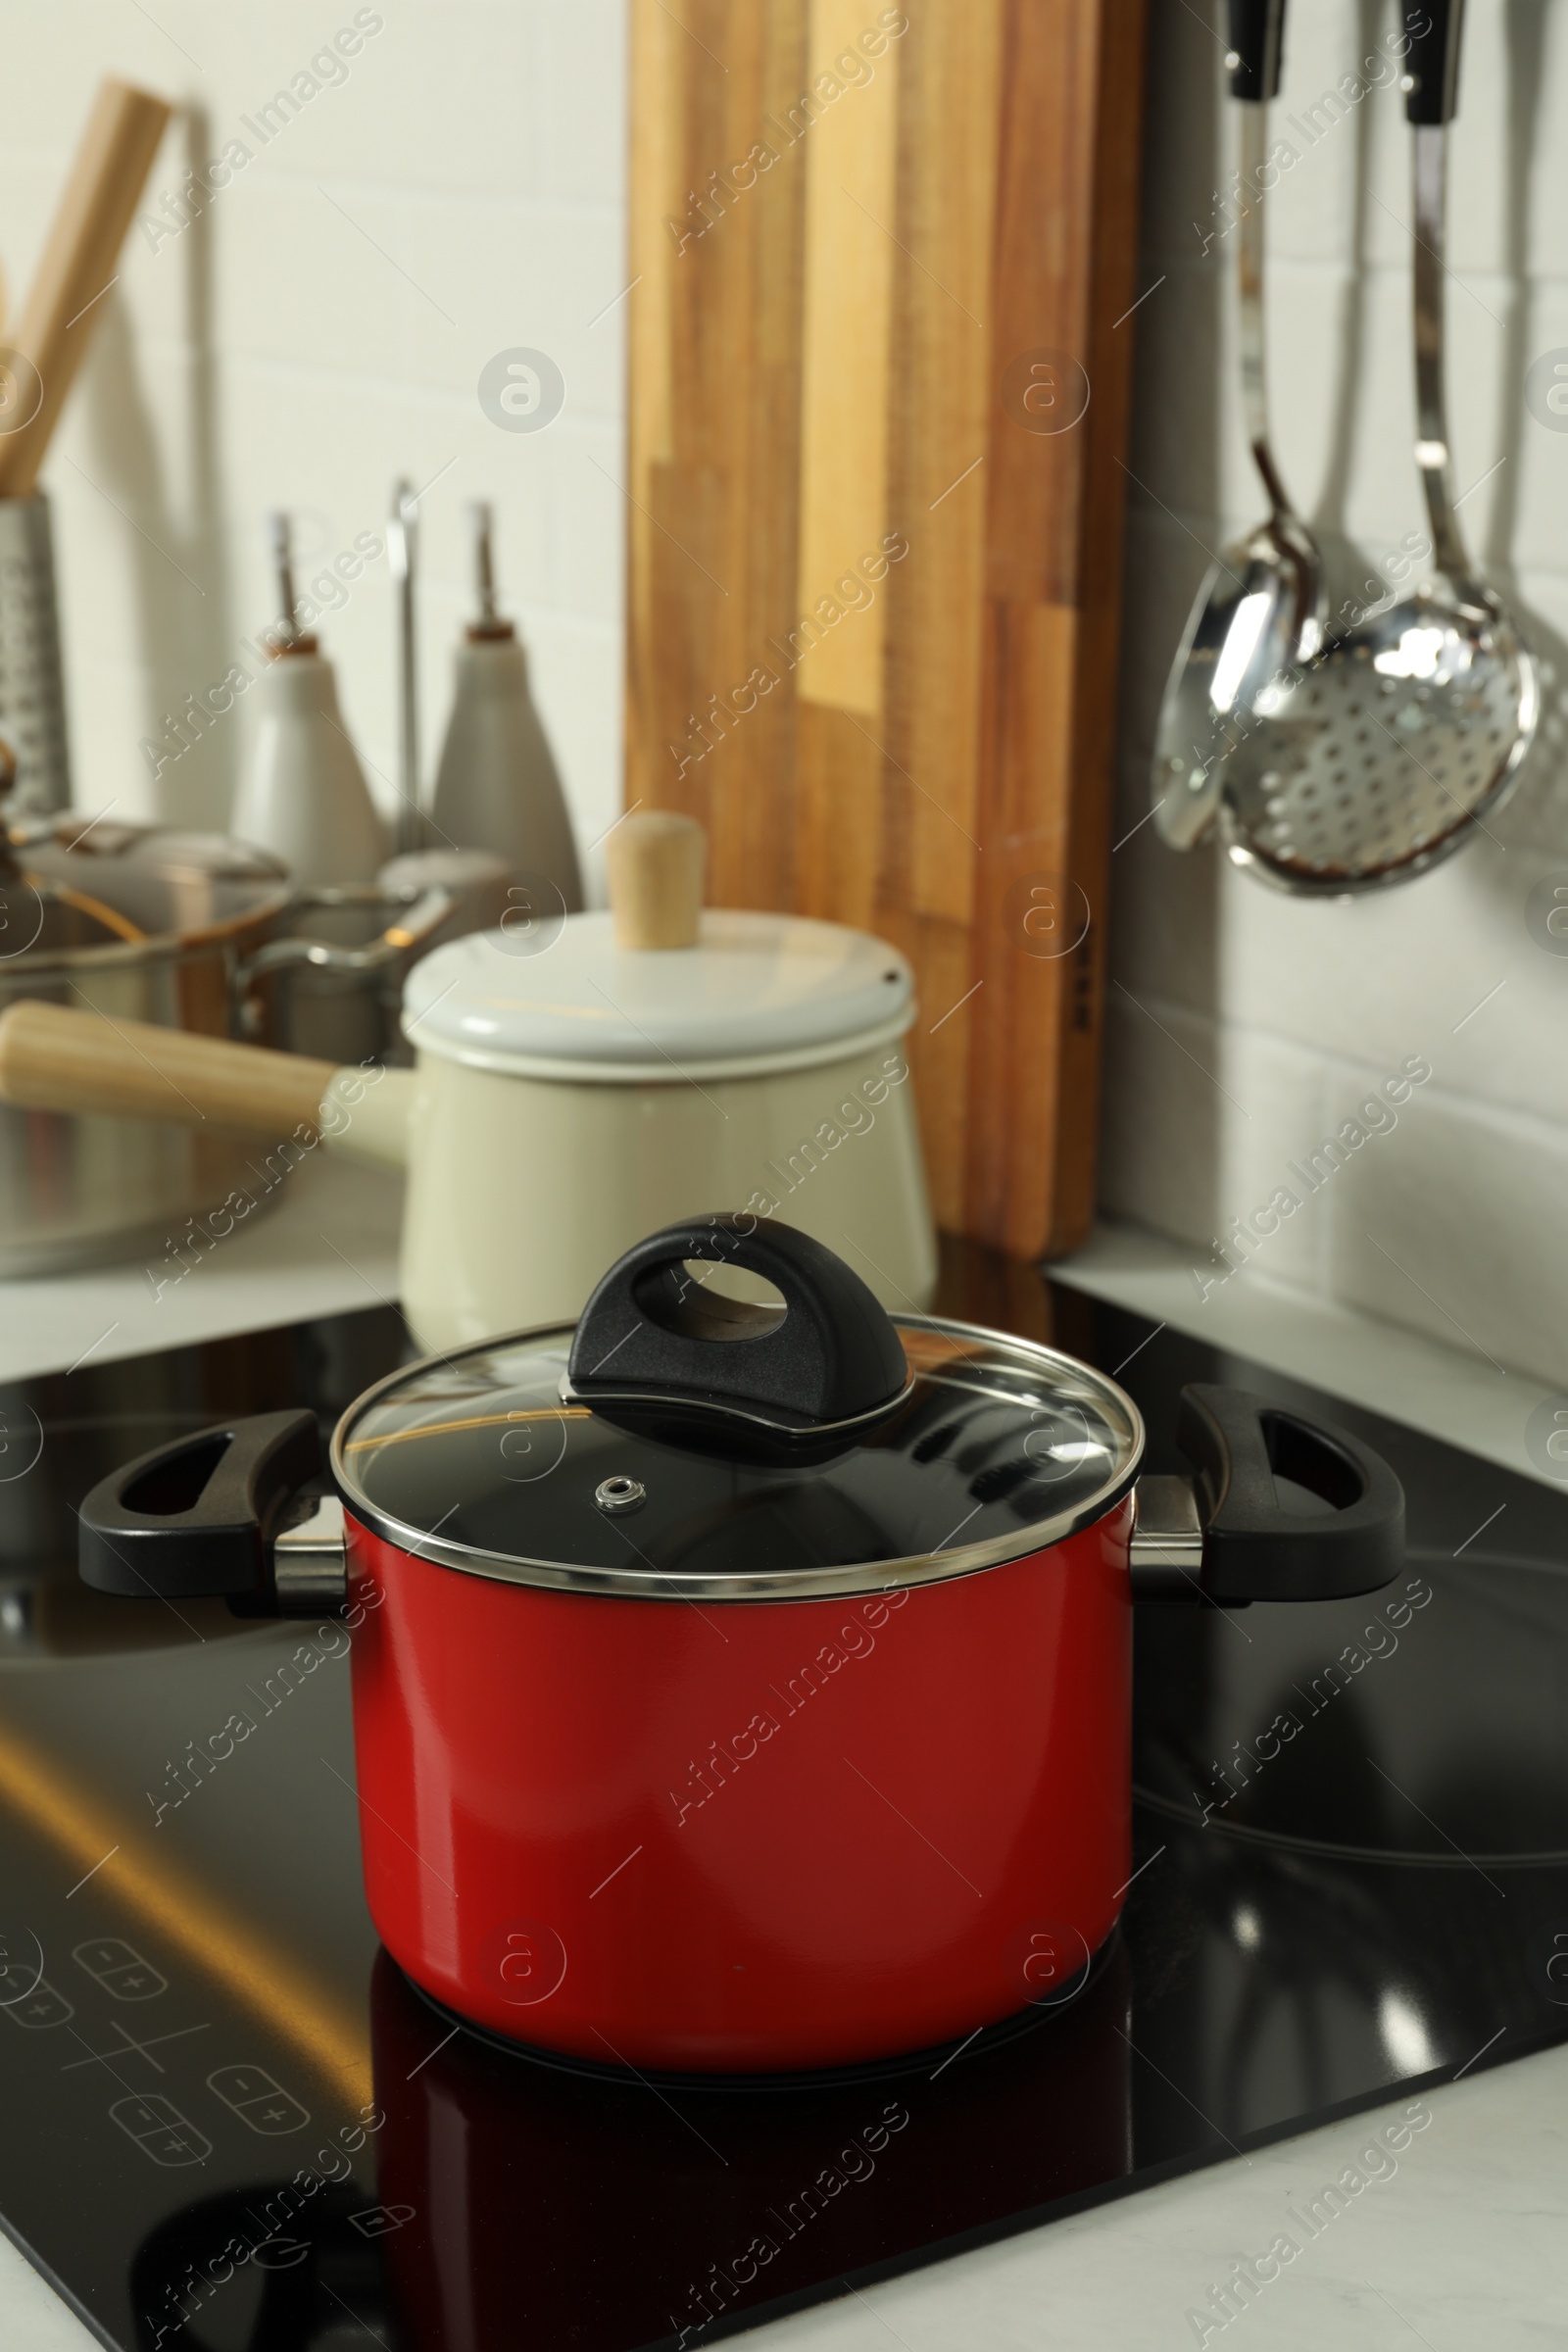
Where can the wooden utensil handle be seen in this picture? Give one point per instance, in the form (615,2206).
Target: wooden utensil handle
(77,264)
(656,859)
(55,1059)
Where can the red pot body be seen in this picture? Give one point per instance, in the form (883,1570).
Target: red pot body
(745,1836)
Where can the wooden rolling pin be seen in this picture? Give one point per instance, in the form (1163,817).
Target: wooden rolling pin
(77,264)
(657,860)
(55,1059)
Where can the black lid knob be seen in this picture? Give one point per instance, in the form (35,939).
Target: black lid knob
(828,1355)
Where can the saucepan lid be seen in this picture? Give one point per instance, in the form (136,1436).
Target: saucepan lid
(680,1440)
(557,998)
(75,888)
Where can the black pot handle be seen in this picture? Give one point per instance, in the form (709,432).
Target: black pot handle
(1239,1543)
(650,1331)
(201,1516)
(1257,49)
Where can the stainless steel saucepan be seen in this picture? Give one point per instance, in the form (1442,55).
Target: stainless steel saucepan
(145,925)
(137,924)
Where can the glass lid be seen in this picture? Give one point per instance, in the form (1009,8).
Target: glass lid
(595,1462)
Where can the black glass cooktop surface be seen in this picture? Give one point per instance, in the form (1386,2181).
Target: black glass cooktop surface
(232,2127)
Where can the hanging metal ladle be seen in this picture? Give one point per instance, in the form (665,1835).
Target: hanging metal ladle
(1380,757)
(1262,607)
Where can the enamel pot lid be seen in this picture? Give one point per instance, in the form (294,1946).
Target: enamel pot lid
(556,996)
(678,1443)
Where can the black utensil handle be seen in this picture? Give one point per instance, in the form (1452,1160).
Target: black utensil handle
(198,1517)
(1256,1549)
(651,1328)
(1257,48)
(1434,28)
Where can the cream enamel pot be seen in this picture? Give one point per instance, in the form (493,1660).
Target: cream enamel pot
(742,1689)
(567,1094)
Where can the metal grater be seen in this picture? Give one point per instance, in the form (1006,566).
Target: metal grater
(32,701)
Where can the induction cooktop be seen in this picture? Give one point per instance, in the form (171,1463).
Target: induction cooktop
(232,2126)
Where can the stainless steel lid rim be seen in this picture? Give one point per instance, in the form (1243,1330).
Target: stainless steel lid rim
(158,947)
(817,1584)
(862,1579)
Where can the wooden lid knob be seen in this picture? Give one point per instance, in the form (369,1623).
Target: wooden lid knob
(657,861)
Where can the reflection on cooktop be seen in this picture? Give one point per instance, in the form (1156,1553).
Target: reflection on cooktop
(234,2126)
(1426,1724)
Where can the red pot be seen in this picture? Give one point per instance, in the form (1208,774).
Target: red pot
(746,1689)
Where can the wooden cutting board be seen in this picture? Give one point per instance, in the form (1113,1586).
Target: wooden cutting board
(881,262)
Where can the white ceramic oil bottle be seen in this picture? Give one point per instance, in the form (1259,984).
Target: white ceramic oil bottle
(497,787)
(305,797)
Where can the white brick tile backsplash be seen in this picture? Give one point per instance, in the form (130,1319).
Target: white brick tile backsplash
(1201,1124)
(1163,915)
(1270,1114)
(107,705)
(443,99)
(278,353)
(1317,120)
(576,677)
(1177,387)
(528,276)
(1158,1140)
(590,511)
(1538,457)
(1445,967)
(583,92)
(1308,319)
(1478,141)
(1454,1224)
(305,276)
(1544,96)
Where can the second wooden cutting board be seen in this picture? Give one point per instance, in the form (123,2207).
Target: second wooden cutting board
(881,261)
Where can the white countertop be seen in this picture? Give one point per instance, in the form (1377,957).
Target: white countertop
(1461,2244)
(1462,1397)
(330,1244)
